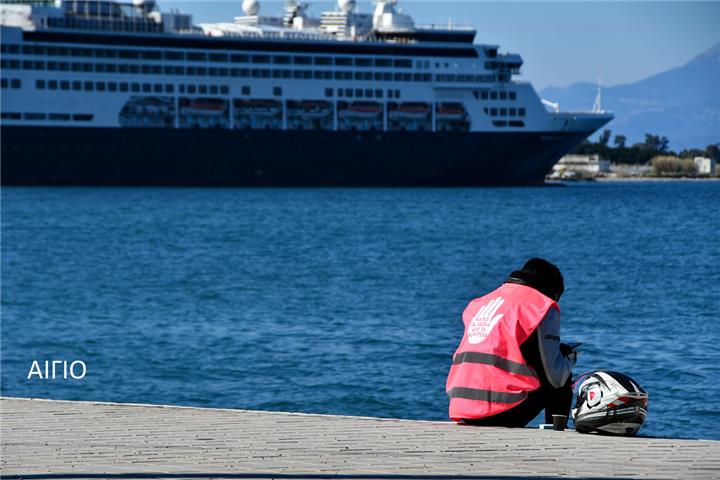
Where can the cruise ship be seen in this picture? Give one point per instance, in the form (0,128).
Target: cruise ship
(100,92)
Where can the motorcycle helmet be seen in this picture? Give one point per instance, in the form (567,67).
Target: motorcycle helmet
(609,403)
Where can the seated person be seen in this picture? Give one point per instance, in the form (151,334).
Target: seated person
(510,364)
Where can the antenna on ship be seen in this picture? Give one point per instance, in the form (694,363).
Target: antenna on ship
(597,107)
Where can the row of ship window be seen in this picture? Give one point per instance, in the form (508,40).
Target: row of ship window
(361,93)
(496,95)
(508,123)
(137,87)
(86,117)
(206,57)
(41,84)
(62,117)
(505,112)
(127,68)
(10,83)
(127,24)
(134,87)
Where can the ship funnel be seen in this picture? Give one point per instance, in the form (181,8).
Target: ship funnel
(346,6)
(387,17)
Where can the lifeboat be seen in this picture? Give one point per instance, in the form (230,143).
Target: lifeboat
(410,111)
(154,109)
(149,105)
(205,107)
(450,112)
(310,110)
(361,111)
(259,108)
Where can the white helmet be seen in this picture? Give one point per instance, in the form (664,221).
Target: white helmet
(609,403)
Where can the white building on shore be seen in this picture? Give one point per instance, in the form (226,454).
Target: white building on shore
(706,166)
(580,166)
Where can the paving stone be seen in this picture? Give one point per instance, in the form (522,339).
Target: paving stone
(44,439)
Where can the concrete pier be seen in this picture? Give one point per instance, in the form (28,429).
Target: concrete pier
(44,439)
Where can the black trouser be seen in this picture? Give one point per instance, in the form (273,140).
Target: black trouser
(555,401)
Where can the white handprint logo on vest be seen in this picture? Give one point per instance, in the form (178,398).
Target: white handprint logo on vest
(484,321)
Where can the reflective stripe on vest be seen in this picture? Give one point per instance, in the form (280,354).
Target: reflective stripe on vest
(489,374)
(486,395)
(495,361)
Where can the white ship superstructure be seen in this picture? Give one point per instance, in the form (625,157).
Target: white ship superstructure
(80,64)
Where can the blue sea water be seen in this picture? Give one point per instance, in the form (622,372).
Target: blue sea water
(348,301)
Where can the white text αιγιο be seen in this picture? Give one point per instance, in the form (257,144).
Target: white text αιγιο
(57,369)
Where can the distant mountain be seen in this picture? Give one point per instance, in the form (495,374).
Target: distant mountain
(682,104)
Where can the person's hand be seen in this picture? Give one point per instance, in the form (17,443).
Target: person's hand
(566,349)
(568,352)
(572,356)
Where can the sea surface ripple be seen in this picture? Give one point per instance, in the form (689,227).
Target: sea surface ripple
(348,301)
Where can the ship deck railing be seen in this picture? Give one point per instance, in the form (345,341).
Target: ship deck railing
(448,27)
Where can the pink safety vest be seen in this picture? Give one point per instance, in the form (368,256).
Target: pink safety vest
(489,374)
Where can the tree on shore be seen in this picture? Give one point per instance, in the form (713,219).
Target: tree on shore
(640,153)
(656,142)
(713,151)
(605,137)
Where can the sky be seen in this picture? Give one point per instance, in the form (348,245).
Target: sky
(562,42)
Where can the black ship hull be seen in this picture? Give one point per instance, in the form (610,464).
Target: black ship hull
(177,157)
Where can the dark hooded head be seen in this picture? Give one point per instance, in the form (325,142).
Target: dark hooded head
(541,275)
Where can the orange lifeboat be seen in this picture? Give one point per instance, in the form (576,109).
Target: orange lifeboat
(410,111)
(206,107)
(311,109)
(451,112)
(361,110)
